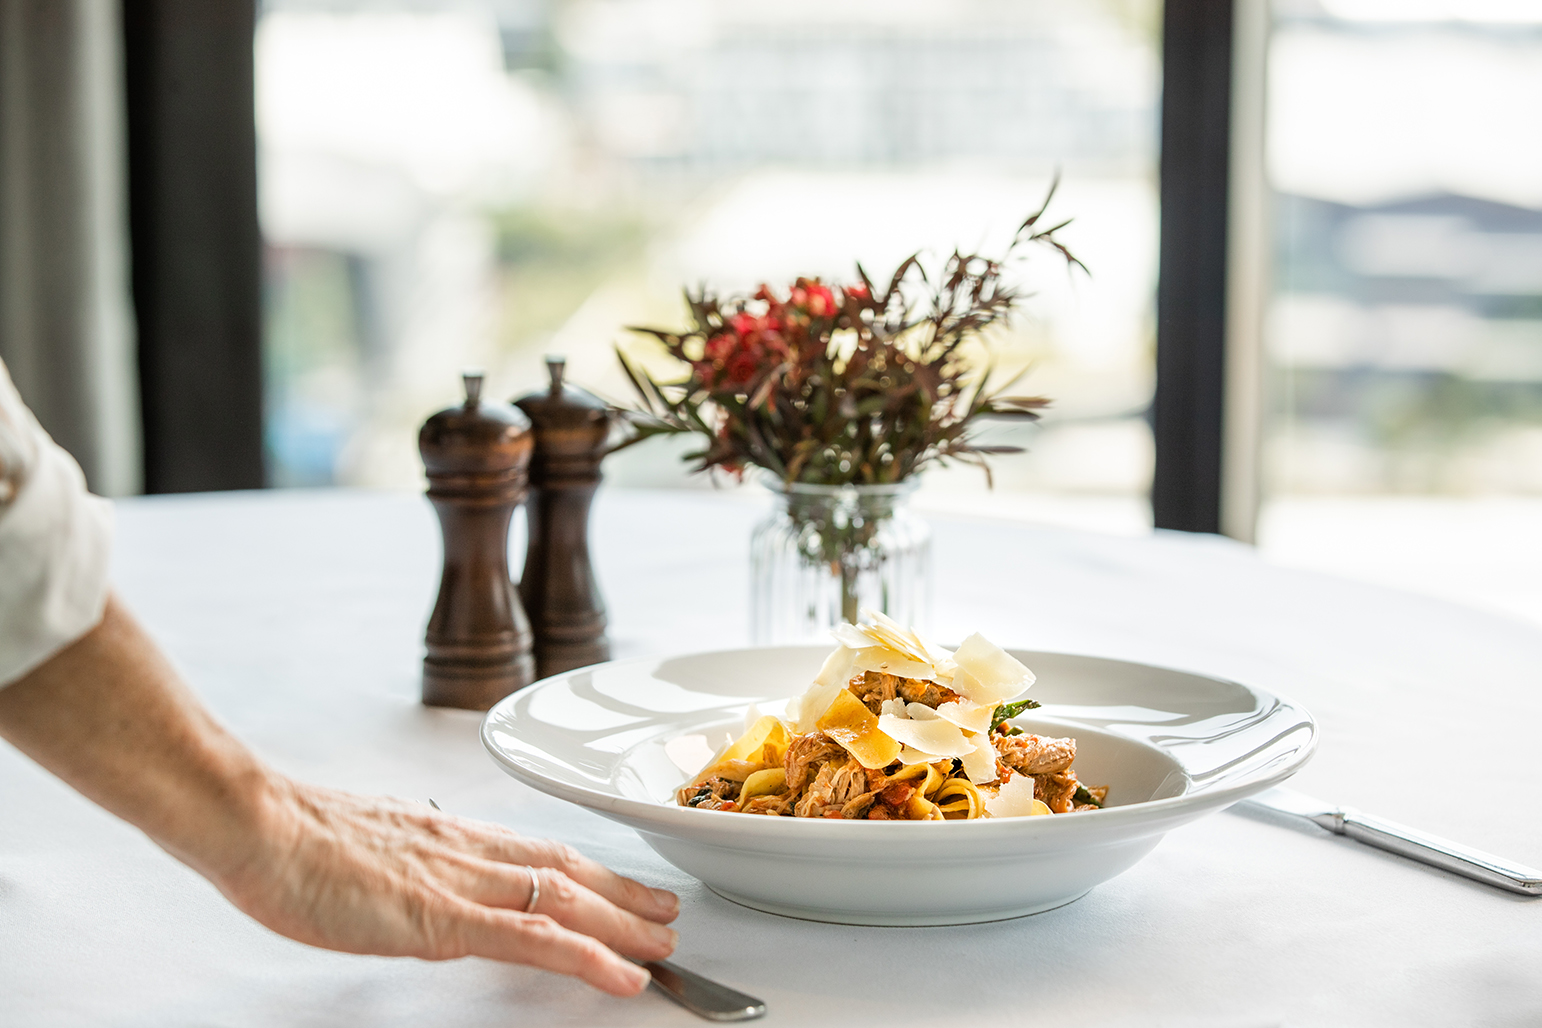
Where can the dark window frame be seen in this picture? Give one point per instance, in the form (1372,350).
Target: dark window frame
(194,241)
(1188,409)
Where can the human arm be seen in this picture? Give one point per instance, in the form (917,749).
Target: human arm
(86,693)
(111,717)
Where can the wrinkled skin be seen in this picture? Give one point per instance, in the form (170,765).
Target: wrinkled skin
(110,716)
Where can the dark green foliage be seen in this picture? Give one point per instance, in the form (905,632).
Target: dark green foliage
(841,385)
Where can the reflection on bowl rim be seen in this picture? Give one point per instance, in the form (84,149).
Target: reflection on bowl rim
(672,815)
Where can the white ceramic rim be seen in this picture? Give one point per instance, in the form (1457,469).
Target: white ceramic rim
(676,820)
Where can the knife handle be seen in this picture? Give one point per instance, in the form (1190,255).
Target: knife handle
(1427,849)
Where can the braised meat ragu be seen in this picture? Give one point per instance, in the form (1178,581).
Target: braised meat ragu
(895,729)
(874,688)
(1035,755)
(806,753)
(713,794)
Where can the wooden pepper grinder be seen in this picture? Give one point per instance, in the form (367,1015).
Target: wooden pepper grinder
(558,587)
(477,458)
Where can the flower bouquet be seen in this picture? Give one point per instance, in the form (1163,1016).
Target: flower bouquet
(842,394)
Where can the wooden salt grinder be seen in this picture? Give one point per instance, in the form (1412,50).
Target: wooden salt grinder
(558,586)
(477,458)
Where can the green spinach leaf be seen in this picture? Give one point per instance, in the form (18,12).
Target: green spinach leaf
(1007,711)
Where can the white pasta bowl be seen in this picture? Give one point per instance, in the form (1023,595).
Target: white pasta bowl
(1171,746)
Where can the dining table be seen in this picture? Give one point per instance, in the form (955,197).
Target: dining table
(298,617)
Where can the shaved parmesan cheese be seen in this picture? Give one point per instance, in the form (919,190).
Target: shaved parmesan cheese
(892,662)
(854,637)
(805,711)
(971,717)
(942,660)
(896,641)
(894,708)
(980,762)
(936,737)
(920,712)
(909,756)
(987,673)
(839,667)
(1015,798)
(833,677)
(891,634)
(882,620)
(896,650)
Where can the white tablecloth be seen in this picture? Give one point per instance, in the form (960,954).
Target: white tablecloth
(299,617)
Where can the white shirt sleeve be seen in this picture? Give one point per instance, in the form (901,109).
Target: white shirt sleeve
(55,540)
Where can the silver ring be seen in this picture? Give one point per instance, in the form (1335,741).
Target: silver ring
(535,889)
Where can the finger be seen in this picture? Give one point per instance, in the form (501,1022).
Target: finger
(659,905)
(496,842)
(571,905)
(538,941)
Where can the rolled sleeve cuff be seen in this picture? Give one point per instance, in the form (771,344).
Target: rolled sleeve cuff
(55,545)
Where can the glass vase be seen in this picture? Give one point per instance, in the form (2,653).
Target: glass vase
(825,553)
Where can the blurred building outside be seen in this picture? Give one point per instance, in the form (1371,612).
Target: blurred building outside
(1404,440)
(485,182)
(450,184)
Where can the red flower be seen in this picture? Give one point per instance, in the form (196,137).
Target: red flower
(821,302)
(859,290)
(719,347)
(743,324)
(741,367)
(753,335)
(811,297)
(776,343)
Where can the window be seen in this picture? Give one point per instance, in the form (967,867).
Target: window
(459,184)
(1404,333)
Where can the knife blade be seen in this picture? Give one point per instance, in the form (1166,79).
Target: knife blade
(1404,841)
(702,996)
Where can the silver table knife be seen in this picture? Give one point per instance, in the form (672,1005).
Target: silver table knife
(702,996)
(1395,838)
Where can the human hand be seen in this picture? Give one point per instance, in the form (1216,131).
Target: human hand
(109,715)
(388,877)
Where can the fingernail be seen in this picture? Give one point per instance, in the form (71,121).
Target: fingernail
(641,977)
(665,935)
(667,901)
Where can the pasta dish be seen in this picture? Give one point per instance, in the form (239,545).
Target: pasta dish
(897,729)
